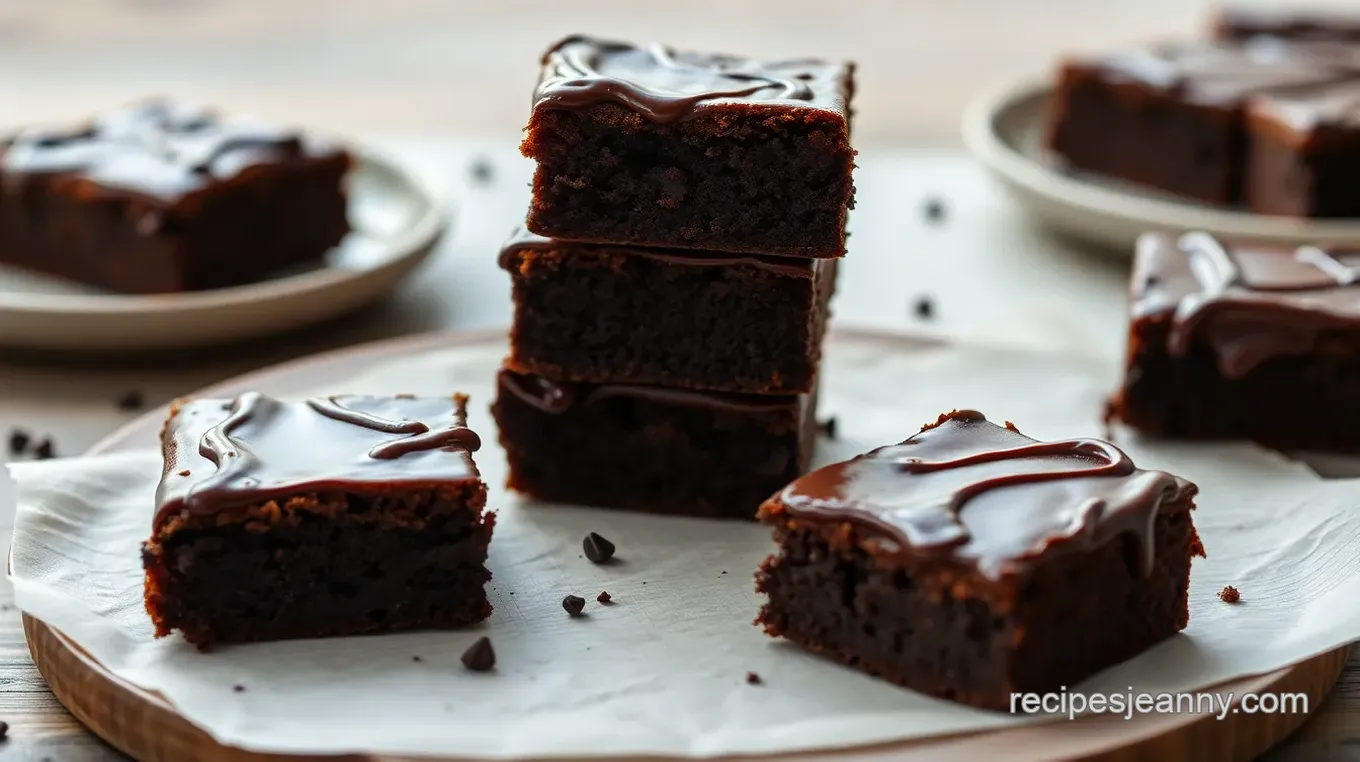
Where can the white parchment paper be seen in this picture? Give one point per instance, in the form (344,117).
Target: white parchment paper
(663,670)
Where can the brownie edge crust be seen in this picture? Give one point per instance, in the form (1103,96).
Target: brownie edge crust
(971,598)
(338,516)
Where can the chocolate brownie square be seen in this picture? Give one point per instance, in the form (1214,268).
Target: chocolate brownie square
(1305,151)
(332,516)
(1172,117)
(1243,340)
(671,317)
(1242,22)
(971,562)
(164,197)
(645,145)
(651,448)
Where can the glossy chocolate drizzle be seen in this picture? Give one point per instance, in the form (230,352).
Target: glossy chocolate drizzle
(228,453)
(989,495)
(522,240)
(555,398)
(159,149)
(659,83)
(1249,303)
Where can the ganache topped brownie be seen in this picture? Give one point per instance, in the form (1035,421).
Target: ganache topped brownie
(163,196)
(672,317)
(1172,116)
(1304,151)
(330,516)
(641,144)
(947,563)
(1243,340)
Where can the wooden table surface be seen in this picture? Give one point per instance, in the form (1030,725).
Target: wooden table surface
(440,83)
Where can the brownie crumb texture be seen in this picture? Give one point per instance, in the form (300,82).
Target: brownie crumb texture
(574,604)
(598,549)
(925,307)
(45,450)
(130,400)
(1229,594)
(18,441)
(828,427)
(480,656)
(753,679)
(604,597)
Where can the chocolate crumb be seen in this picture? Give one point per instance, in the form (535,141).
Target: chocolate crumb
(724,571)
(415,658)
(1229,594)
(604,597)
(185,472)
(4,731)
(239,688)
(45,450)
(828,427)
(925,307)
(574,604)
(752,678)
(480,656)
(482,170)
(597,548)
(934,209)
(18,441)
(130,400)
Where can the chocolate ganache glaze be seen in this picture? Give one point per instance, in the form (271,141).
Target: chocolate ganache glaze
(222,454)
(989,496)
(555,397)
(663,85)
(1248,303)
(522,240)
(158,149)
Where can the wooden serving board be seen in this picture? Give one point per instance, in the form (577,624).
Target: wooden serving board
(146,727)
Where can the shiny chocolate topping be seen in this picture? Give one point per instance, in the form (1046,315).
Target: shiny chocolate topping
(988,496)
(664,85)
(1246,302)
(222,454)
(522,241)
(158,149)
(555,397)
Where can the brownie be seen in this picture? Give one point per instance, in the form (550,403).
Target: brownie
(329,516)
(971,561)
(651,448)
(1243,340)
(670,317)
(1305,151)
(1240,23)
(645,145)
(1172,117)
(164,197)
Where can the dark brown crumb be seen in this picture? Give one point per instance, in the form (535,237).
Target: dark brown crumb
(415,658)
(724,571)
(480,656)
(185,472)
(482,170)
(239,688)
(45,450)
(934,209)
(752,678)
(4,731)
(18,441)
(1229,594)
(597,548)
(828,427)
(604,597)
(130,400)
(925,307)
(574,604)
(1108,417)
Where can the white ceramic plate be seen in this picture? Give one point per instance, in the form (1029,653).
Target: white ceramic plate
(1004,128)
(396,222)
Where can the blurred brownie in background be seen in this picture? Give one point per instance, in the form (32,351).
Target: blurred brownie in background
(1244,340)
(162,197)
(1243,22)
(1304,151)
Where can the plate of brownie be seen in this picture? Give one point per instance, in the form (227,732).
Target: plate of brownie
(1252,133)
(164,224)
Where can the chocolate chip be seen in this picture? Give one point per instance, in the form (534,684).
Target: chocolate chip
(925,307)
(184,472)
(1229,594)
(604,597)
(597,548)
(482,170)
(480,656)
(574,604)
(45,450)
(934,209)
(18,441)
(828,427)
(239,688)
(752,678)
(131,400)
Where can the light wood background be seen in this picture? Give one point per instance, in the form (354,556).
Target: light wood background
(440,81)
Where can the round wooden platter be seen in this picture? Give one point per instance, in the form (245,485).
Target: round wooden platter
(145,726)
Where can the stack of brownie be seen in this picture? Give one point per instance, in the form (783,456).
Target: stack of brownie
(672,281)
